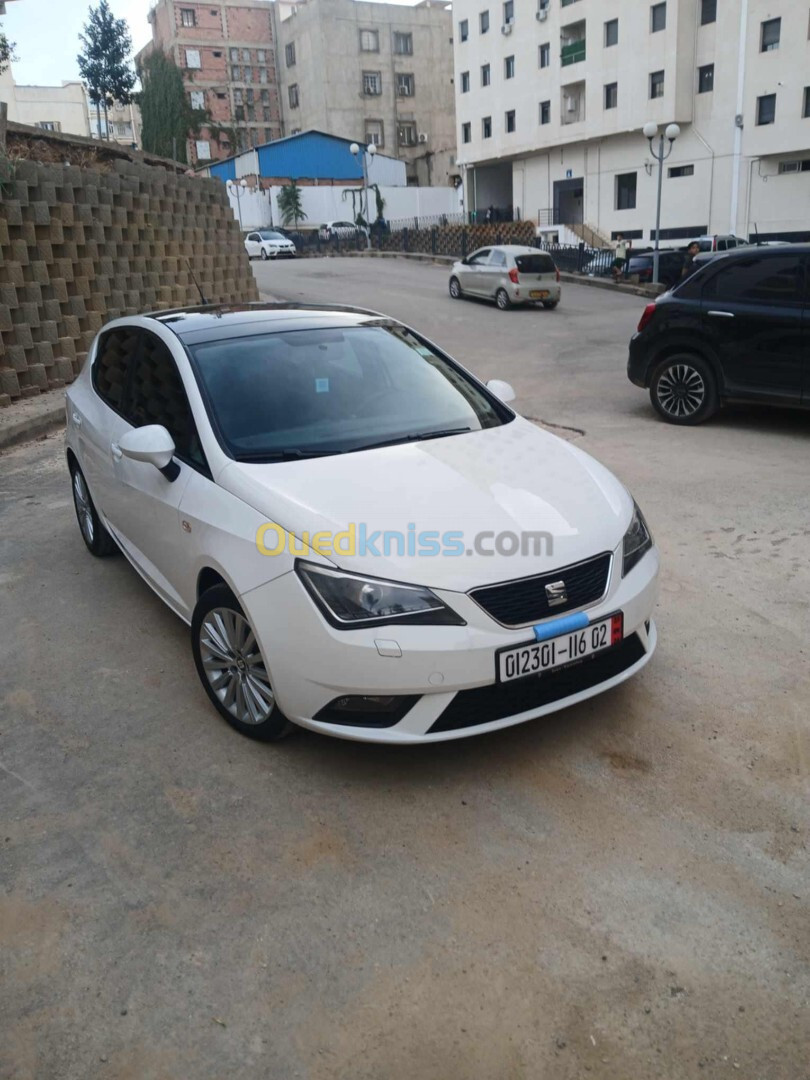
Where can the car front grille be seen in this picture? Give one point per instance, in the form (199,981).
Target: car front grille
(469,708)
(518,603)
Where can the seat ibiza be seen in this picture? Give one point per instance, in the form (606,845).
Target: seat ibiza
(364,538)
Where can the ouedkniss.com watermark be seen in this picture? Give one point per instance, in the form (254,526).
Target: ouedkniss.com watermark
(358,540)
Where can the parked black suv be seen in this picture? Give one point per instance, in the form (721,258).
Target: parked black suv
(738,329)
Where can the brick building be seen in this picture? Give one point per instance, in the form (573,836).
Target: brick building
(226,50)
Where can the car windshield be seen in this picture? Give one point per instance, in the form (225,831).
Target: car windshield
(272,236)
(304,393)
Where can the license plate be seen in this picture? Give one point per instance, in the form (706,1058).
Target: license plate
(537,657)
(538,294)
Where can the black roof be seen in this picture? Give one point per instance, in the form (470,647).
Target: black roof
(207,322)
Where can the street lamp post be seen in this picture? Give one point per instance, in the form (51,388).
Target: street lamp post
(660,153)
(237,189)
(360,154)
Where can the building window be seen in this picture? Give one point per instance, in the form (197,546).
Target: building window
(251,113)
(246,58)
(801,165)
(706,79)
(680,170)
(236,73)
(483,22)
(403,44)
(466,133)
(238,97)
(509,67)
(626,191)
(510,120)
(544,55)
(49,125)
(193,59)
(203,150)
(289,54)
(406,133)
(463,29)
(267,116)
(485,75)
(545,112)
(268,134)
(261,56)
(405,85)
(296,131)
(262,75)
(374,133)
(372,83)
(611,95)
(766,109)
(465,82)
(369,41)
(249,95)
(509,12)
(657,84)
(239,113)
(708,11)
(658,18)
(806,109)
(265,96)
(771,32)
(611,32)
(292,92)
(234,55)
(486,127)
(248,74)
(187,17)
(197,99)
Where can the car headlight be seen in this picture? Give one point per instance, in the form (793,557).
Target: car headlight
(637,540)
(349,601)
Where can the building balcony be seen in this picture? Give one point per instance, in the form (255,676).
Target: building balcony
(572,38)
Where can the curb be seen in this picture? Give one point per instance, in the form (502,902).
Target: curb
(19,431)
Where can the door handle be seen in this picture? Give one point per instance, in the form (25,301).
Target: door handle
(721,314)
(77,420)
(116,450)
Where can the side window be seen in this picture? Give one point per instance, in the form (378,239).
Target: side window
(254,236)
(498,258)
(480,257)
(113,361)
(157,396)
(759,280)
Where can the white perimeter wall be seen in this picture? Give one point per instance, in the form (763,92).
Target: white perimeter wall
(327,204)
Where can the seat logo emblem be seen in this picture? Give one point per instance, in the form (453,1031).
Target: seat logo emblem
(556,593)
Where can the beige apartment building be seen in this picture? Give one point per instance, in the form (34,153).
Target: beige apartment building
(53,108)
(378,73)
(551,97)
(122,125)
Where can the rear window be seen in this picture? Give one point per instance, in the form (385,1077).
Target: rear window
(535,264)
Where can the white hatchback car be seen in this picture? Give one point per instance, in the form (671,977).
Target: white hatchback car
(269,244)
(365,539)
(509,274)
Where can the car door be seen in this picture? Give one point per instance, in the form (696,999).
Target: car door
(471,270)
(751,311)
(494,272)
(253,244)
(146,501)
(96,413)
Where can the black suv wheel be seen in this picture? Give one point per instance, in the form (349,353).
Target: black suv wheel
(683,389)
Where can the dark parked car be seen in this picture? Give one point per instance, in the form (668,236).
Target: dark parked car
(670,264)
(738,329)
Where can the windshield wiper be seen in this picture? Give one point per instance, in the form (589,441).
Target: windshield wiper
(290,454)
(421,436)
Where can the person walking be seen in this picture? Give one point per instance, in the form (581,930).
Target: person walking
(620,250)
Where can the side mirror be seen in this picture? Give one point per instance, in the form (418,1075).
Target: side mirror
(153,445)
(503,390)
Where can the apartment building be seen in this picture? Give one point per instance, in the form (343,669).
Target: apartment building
(551,97)
(122,125)
(378,73)
(53,108)
(227,52)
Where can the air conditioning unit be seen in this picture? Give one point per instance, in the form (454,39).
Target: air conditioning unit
(571,104)
(506,28)
(422,137)
(541,14)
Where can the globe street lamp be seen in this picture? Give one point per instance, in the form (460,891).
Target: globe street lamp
(237,190)
(660,153)
(360,154)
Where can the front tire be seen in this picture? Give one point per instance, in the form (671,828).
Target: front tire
(264,255)
(231,667)
(455,288)
(96,538)
(502,300)
(683,389)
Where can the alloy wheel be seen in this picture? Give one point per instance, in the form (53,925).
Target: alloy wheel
(681,390)
(84,509)
(234,666)
(502,299)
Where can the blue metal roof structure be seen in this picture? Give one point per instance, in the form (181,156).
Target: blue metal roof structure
(309,155)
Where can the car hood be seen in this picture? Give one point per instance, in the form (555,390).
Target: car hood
(511,479)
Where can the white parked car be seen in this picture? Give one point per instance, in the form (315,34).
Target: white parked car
(343,229)
(269,244)
(348,520)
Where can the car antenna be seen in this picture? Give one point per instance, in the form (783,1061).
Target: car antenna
(193,278)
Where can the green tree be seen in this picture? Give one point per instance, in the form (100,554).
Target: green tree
(104,62)
(7,53)
(289,203)
(167,116)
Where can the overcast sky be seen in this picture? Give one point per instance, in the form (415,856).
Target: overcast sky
(47,35)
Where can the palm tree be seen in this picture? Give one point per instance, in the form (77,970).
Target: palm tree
(289,203)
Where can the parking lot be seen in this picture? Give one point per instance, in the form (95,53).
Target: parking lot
(619,890)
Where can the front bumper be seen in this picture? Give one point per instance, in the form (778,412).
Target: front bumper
(311,663)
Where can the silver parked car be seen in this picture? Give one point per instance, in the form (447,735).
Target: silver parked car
(507,274)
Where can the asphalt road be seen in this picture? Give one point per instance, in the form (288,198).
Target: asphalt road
(620,890)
